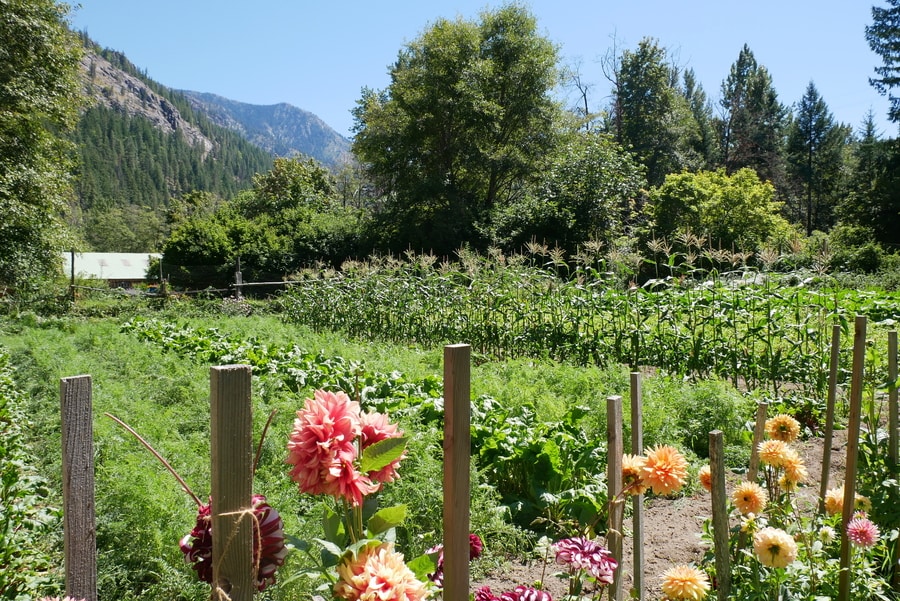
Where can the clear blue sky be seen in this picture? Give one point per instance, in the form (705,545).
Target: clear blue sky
(318,54)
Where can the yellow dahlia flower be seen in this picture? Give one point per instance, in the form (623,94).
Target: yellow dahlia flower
(774,547)
(685,582)
(749,497)
(783,427)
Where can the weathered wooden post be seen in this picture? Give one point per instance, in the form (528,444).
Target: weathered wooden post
(457,450)
(79,533)
(759,432)
(893,437)
(614,490)
(231,448)
(637,501)
(238,281)
(829,413)
(720,513)
(856,386)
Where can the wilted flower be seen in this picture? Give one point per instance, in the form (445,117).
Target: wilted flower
(322,448)
(525,593)
(666,470)
(269,549)
(862,532)
(633,474)
(783,427)
(377,573)
(375,428)
(685,582)
(749,497)
(580,553)
(705,477)
(774,547)
(773,452)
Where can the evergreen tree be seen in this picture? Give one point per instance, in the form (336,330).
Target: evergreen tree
(883,36)
(815,151)
(701,108)
(752,130)
(653,118)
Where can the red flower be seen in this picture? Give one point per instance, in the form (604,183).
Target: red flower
(269,550)
(580,553)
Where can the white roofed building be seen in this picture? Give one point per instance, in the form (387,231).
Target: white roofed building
(120,270)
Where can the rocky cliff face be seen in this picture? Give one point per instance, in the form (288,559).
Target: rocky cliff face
(109,86)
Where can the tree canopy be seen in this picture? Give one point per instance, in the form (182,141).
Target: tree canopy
(883,36)
(39,101)
(467,118)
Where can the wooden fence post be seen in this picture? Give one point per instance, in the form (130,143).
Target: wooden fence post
(893,438)
(637,501)
(457,450)
(829,413)
(79,533)
(856,386)
(231,474)
(720,513)
(614,490)
(759,431)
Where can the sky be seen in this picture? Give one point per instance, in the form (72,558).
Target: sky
(318,54)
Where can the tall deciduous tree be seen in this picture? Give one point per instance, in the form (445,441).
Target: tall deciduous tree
(883,36)
(752,131)
(465,121)
(39,100)
(815,154)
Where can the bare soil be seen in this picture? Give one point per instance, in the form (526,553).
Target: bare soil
(672,530)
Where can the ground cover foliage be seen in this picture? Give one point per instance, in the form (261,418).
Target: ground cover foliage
(538,423)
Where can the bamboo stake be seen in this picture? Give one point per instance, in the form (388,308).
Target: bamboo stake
(829,414)
(759,430)
(720,513)
(231,471)
(893,437)
(614,489)
(637,501)
(79,532)
(856,386)
(457,442)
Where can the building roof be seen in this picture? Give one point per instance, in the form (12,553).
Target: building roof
(109,266)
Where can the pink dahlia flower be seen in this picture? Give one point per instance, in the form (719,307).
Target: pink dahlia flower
(862,532)
(484,593)
(580,553)
(375,428)
(322,448)
(269,549)
(525,593)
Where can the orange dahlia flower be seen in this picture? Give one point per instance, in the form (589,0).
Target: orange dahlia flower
(773,452)
(633,474)
(666,470)
(783,427)
(685,582)
(705,477)
(749,497)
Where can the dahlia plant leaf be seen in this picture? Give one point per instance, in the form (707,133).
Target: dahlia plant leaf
(387,518)
(381,454)
(423,565)
(330,551)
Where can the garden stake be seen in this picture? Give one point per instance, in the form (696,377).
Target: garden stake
(829,413)
(759,431)
(892,438)
(231,474)
(79,531)
(457,449)
(720,513)
(856,386)
(614,489)
(637,501)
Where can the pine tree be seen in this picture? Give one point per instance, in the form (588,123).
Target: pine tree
(883,36)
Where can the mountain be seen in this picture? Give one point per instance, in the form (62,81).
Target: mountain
(282,129)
